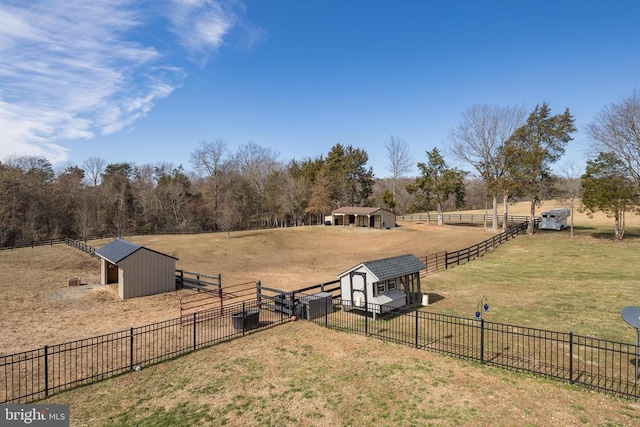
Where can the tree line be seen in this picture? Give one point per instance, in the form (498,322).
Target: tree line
(510,154)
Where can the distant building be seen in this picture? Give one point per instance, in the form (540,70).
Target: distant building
(363,217)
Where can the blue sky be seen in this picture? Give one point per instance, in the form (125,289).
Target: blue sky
(146,81)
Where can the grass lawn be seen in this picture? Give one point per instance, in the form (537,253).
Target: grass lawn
(548,281)
(301,374)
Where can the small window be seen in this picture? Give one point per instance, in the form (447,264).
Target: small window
(391,285)
(381,287)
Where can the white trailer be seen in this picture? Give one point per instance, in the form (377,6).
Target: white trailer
(555,219)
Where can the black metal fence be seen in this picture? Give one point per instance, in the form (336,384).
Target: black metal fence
(595,363)
(35,374)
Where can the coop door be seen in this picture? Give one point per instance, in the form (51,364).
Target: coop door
(358,289)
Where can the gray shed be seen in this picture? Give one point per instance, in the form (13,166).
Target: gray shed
(383,284)
(139,271)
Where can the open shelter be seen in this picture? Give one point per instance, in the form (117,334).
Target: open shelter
(363,217)
(139,271)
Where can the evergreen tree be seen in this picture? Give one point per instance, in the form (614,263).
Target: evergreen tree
(531,151)
(438,183)
(608,186)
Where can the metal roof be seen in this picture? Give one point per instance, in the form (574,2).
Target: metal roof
(117,250)
(357,210)
(388,268)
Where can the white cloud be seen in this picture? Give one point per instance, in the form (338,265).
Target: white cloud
(201,25)
(76,69)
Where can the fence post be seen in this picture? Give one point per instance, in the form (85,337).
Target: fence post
(366,313)
(243,315)
(293,302)
(46,371)
(570,357)
(195,329)
(446,260)
(326,314)
(131,350)
(417,344)
(258,294)
(481,341)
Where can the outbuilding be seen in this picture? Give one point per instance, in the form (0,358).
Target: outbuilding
(382,285)
(137,270)
(363,217)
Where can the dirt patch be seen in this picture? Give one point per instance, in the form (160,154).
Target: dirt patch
(40,309)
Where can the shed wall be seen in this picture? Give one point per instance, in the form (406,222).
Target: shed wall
(146,273)
(388,219)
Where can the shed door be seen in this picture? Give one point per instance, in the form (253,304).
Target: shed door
(112,273)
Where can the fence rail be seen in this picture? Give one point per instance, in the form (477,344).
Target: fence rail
(603,365)
(79,244)
(452,217)
(35,374)
(595,363)
(444,260)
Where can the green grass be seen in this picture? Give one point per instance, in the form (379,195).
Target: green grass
(548,281)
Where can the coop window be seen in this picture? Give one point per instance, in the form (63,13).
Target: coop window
(381,288)
(391,285)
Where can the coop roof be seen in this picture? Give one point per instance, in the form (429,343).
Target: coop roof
(357,210)
(388,268)
(119,249)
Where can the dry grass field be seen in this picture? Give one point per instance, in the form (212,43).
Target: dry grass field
(39,307)
(301,374)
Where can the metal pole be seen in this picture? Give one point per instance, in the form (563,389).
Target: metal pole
(635,378)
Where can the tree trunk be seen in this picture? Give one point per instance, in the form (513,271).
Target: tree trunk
(532,216)
(619,225)
(440,216)
(494,227)
(505,209)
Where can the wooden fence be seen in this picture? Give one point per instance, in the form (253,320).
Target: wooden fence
(444,260)
(79,244)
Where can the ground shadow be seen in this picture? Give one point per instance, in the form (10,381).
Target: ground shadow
(433,298)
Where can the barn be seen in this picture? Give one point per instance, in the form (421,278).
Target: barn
(363,217)
(137,270)
(382,285)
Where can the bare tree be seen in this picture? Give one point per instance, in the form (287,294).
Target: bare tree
(256,164)
(477,140)
(228,215)
(209,156)
(93,168)
(400,162)
(570,190)
(617,129)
